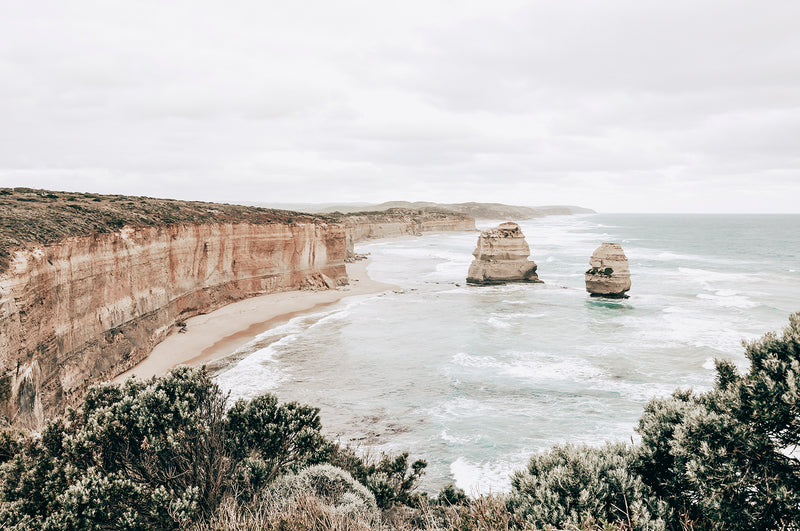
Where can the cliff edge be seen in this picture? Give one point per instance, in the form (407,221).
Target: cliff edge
(90,283)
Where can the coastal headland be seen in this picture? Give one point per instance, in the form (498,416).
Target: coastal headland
(90,284)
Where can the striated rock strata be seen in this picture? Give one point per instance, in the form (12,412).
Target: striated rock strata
(502,256)
(609,274)
(400,222)
(90,283)
(86,308)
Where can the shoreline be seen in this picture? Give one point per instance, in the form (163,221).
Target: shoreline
(213,336)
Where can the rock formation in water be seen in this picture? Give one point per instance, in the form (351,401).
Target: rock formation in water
(89,283)
(609,274)
(502,256)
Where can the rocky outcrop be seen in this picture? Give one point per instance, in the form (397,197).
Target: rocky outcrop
(400,222)
(609,274)
(87,308)
(502,256)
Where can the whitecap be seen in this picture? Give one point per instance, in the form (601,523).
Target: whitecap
(726,292)
(461,408)
(453,439)
(639,392)
(465,360)
(533,366)
(729,301)
(455,290)
(481,478)
(523,315)
(253,375)
(333,316)
(498,323)
(657,255)
(705,276)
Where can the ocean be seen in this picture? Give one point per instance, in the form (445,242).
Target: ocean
(475,379)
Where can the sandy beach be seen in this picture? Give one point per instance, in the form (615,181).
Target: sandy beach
(215,335)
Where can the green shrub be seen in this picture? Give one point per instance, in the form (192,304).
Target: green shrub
(146,455)
(392,479)
(150,455)
(451,495)
(338,492)
(273,439)
(568,485)
(724,458)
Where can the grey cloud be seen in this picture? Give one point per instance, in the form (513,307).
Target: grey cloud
(549,102)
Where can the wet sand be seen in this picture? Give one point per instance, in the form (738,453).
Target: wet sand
(213,336)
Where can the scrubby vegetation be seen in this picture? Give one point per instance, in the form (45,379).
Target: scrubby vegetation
(167,454)
(568,483)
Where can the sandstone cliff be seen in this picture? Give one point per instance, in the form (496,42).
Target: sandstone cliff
(89,284)
(400,222)
(85,309)
(502,256)
(609,274)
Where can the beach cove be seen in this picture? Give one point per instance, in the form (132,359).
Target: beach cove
(476,379)
(209,338)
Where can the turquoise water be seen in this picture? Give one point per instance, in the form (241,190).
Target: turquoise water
(476,379)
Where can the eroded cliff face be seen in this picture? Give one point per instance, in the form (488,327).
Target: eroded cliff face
(401,222)
(87,308)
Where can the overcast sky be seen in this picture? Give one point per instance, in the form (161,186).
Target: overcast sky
(620,106)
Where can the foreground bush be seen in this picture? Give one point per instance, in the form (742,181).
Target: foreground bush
(727,459)
(141,456)
(336,490)
(165,454)
(150,455)
(391,479)
(569,485)
(270,440)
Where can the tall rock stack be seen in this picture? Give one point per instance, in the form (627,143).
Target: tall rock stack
(609,274)
(502,256)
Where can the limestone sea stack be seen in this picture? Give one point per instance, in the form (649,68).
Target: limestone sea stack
(609,274)
(502,256)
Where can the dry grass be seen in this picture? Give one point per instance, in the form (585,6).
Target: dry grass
(29,216)
(308,513)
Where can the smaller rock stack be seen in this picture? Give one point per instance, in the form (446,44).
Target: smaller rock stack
(502,256)
(609,275)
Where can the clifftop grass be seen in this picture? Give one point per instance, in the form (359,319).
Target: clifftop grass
(41,217)
(29,216)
